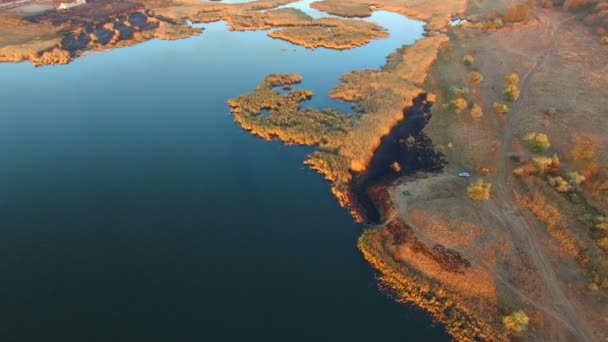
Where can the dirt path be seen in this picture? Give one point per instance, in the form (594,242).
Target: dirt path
(522,232)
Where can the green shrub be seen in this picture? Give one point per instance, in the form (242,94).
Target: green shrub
(560,184)
(601,223)
(468,60)
(456,105)
(537,142)
(500,108)
(511,92)
(603,243)
(546,164)
(575,178)
(459,92)
(516,322)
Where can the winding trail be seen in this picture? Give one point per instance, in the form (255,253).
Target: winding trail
(522,232)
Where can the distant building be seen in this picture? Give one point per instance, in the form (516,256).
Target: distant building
(66,5)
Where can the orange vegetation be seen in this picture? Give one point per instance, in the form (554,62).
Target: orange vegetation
(346,143)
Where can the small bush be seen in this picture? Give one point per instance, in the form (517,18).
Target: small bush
(575,178)
(511,92)
(603,243)
(537,142)
(602,223)
(546,164)
(516,322)
(512,80)
(459,102)
(456,105)
(476,112)
(500,108)
(468,60)
(475,78)
(459,92)
(479,191)
(559,184)
(604,40)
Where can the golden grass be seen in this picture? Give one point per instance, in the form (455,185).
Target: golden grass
(331,33)
(537,142)
(286,121)
(346,143)
(552,218)
(450,308)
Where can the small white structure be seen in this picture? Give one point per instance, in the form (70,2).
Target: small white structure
(67,5)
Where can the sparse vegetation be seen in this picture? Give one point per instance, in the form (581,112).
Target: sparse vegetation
(475,78)
(500,108)
(479,191)
(476,112)
(537,142)
(516,322)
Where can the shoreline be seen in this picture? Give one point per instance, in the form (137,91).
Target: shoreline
(480,255)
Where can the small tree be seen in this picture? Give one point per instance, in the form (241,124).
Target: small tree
(559,184)
(479,191)
(476,112)
(537,142)
(516,322)
(468,60)
(575,178)
(475,78)
(603,243)
(604,40)
(602,223)
(546,164)
(512,80)
(511,92)
(500,108)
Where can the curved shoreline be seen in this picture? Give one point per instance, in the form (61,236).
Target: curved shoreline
(425,252)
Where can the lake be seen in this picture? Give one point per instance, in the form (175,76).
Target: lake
(132,208)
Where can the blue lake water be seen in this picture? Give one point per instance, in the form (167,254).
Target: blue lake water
(132,208)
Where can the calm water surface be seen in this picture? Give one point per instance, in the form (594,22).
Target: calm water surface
(132,208)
